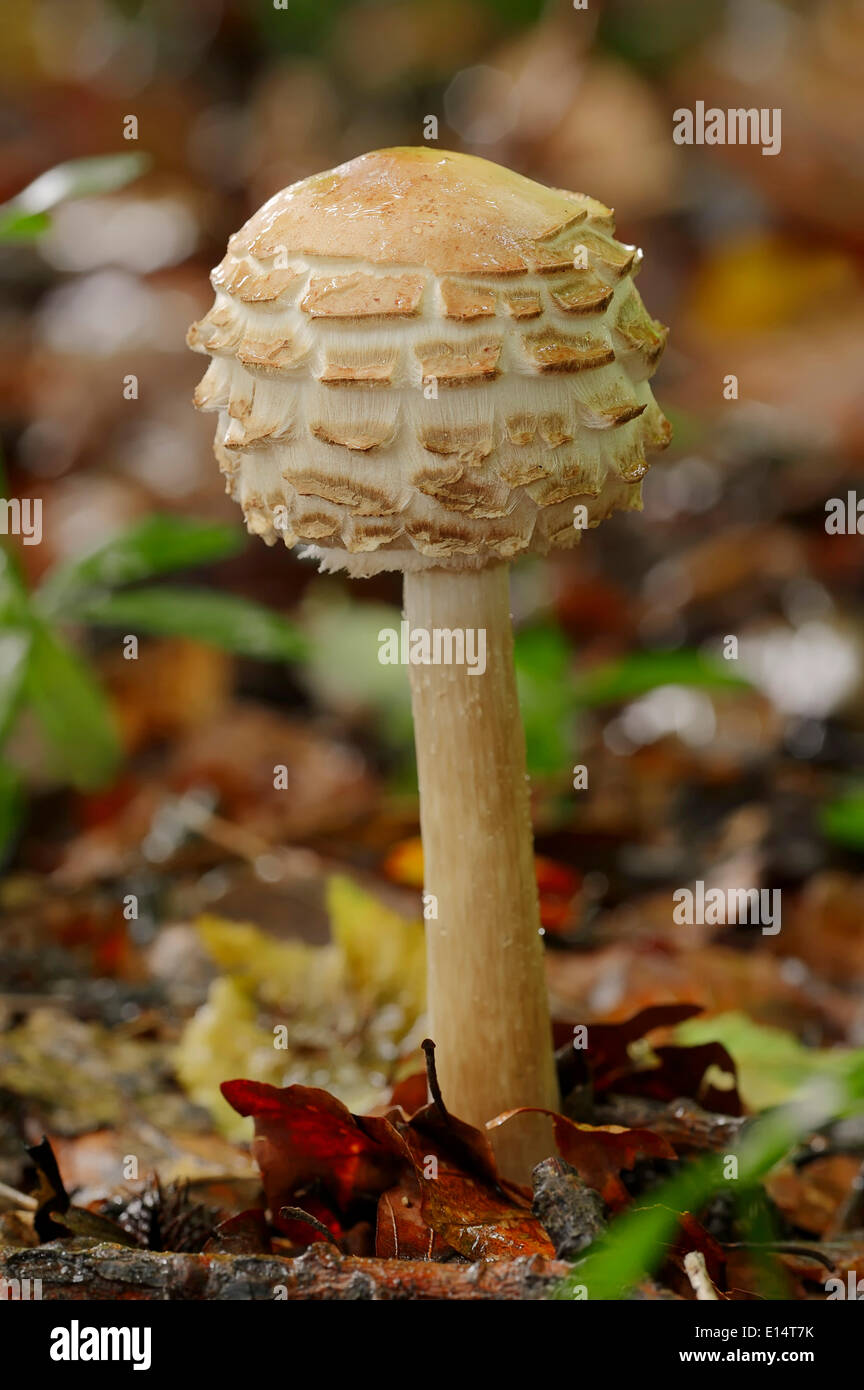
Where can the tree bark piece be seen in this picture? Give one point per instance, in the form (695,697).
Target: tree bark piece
(488,1003)
(82,1270)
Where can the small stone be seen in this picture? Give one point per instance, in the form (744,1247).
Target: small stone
(571,1213)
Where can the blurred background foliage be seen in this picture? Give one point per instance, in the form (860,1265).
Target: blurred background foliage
(156,776)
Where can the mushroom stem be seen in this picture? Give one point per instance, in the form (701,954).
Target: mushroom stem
(489,1011)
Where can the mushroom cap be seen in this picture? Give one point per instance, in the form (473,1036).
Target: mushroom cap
(423,359)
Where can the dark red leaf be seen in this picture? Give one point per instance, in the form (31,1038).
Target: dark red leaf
(600,1153)
(609,1043)
(674,1072)
(681,1071)
(243,1234)
(410,1094)
(308,1143)
(691,1235)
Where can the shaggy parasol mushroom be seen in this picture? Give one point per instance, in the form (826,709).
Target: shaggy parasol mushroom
(424,362)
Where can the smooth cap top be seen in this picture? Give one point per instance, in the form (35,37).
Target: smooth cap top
(452,213)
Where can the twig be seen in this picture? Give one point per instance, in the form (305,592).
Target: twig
(700,1280)
(298,1214)
(20,1199)
(428,1047)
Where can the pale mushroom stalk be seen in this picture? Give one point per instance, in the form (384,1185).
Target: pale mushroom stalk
(424,362)
(488,1009)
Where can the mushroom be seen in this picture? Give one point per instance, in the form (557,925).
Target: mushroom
(425,362)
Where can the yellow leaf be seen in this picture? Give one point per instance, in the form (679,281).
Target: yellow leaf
(760,283)
(344,1011)
(282,973)
(384,954)
(224,1040)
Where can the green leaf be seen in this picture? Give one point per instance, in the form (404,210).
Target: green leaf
(842,820)
(688,430)
(307,29)
(653,39)
(155,546)
(543,660)
(11,806)
(18,226)
(78,178)
(72,710)
(550,695)
(14,652)
(14,602)
(514,13)
(344,635)
(234,624)
(641,672)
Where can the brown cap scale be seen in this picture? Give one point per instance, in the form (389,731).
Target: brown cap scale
(425,362)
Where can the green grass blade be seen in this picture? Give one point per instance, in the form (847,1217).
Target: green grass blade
(14,656)
(11,806)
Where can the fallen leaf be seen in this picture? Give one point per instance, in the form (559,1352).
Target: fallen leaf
(345,1009)
(383,953)
(243,1234)
(307,1140)
(688,1072)
(600,1153)
(402,1232)
(463,1198)
(772,1063)
(314,1154)
(618,1058)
